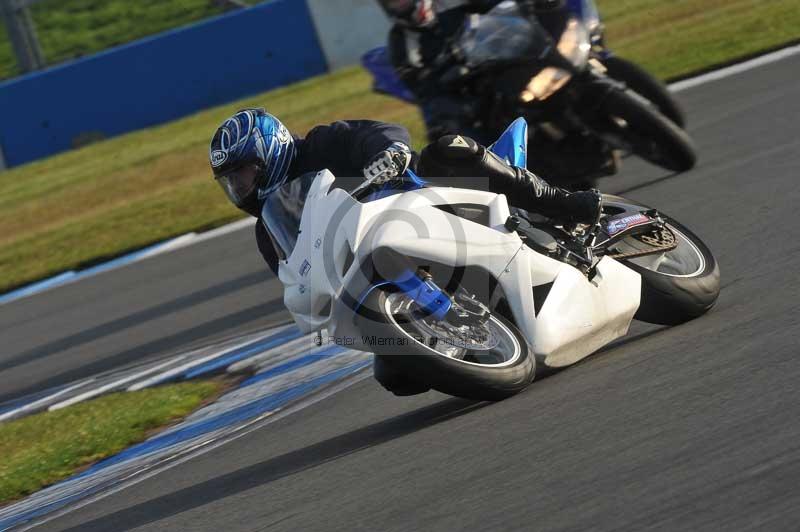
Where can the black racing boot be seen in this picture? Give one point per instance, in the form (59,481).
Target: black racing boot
(532,193)
(458,156)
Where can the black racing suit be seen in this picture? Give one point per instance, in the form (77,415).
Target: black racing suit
(346,147)
(421,57)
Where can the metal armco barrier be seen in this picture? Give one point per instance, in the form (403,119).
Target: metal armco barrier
(22,34)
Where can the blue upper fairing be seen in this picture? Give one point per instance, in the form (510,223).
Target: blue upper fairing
(411,181)
(513,144)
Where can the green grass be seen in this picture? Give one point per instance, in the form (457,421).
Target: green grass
(44,448)
(130,191)
(68,29)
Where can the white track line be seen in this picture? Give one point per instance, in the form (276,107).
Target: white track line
(199,361)
(738,68)
(278,354)
(43,401)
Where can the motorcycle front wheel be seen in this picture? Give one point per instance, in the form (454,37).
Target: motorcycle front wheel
(489,360)
(641,82)
(648,133)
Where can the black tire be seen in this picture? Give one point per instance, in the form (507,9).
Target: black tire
(671,300)
(423,367)
(651,135)
(397,382)
(641,82)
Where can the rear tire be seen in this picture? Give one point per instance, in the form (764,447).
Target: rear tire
(672,300)
(414,366)
(651,135)
(641,82)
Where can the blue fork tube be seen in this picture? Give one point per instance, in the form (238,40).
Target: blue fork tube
(431,299)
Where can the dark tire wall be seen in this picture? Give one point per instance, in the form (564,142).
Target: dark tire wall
(483,383)
(670,300)
(641,82)
(652,136)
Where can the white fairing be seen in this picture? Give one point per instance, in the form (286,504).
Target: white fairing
(577,318)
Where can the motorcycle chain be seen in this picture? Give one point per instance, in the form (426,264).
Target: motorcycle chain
(659,240)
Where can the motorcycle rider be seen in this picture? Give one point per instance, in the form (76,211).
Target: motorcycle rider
(252,154)
(419,48)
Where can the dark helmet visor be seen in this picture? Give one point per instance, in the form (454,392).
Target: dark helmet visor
(239,184)
(399,8)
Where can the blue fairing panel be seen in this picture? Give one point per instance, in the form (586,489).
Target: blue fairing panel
(586,10)
(513,144)
(384,77)
(411,182)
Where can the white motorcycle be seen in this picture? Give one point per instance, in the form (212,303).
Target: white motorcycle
(455,291)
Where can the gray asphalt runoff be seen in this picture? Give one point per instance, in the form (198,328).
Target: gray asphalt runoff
(695,427)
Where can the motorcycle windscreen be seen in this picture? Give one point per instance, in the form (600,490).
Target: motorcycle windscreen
(502,34)
(282,212)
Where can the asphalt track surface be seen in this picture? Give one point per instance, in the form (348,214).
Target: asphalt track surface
(687,428)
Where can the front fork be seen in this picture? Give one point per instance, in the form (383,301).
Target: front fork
(390,268)
(420,288)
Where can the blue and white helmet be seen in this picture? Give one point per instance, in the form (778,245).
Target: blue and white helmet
(251,154)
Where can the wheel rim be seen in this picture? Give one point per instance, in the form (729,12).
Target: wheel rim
(495,345)
(685,260)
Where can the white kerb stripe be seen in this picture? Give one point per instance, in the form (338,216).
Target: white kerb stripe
(110,386)
(43,401)
(189,365)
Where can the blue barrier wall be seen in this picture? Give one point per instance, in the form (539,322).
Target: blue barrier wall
(158,79)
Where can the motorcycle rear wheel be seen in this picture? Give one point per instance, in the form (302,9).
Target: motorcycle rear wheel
(453,366)
(678,285)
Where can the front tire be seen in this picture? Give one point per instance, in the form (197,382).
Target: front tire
(642,83)
(415,364)
(650,135)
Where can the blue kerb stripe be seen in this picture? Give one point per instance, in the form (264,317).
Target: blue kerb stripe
(243,352)
(125,259)
(38,286)
(242,413)
(300,362)
(239,414)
